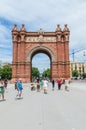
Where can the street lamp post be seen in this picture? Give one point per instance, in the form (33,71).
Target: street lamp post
(73,53)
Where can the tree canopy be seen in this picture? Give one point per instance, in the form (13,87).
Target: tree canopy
(6,72)
(35,72)
(46,73)
(75,73)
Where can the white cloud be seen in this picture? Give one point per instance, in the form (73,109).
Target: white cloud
(5,34)
(44,14)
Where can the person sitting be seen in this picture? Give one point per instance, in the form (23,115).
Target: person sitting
(32,87)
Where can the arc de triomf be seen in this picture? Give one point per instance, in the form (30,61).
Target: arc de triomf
(27,44)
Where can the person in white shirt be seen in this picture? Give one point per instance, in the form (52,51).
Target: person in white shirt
(45,85)
(67,84)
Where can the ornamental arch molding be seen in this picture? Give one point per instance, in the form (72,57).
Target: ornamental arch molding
(42,49)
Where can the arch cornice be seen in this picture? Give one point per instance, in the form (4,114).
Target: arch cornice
(39,49)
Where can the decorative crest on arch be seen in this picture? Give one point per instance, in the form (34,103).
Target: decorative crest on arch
(41,31)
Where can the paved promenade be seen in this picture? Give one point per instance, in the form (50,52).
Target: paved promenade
(57,110)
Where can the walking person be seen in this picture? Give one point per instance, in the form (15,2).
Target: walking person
(59,82)
(53,84)
(67,84)
(38,86)
(41,84)
(5,84)
(2,90)
(63,83)
(45,85)
(19,88)
(16,85)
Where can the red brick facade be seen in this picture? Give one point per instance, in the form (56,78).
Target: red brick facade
(27,44)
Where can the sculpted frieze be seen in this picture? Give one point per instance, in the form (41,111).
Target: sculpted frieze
(40,39)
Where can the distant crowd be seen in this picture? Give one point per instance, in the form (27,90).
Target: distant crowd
(42,84)
(38,85)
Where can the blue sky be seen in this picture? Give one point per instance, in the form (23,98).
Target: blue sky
(41,61)
(46,14)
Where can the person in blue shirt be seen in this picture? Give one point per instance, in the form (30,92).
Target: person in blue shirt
(19,87)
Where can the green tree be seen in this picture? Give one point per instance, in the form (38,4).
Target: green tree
(83,75)
(46,73)
(35,72)
(6,72)
(75,73)
(0,72)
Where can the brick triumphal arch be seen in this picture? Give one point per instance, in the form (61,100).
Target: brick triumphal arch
(27,44)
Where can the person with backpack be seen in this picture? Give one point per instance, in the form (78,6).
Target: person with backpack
(19,88)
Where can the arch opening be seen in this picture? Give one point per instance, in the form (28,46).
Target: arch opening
(40,62)
(41,49)
(44,50)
